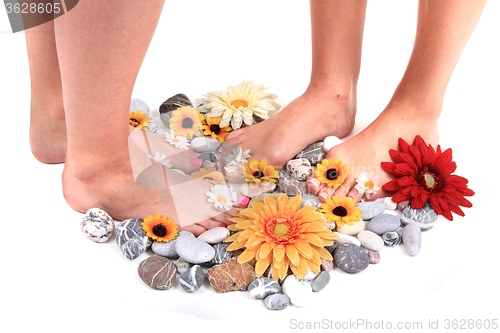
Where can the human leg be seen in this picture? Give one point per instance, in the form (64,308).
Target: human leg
(443,30)
(101,46)
(337,33)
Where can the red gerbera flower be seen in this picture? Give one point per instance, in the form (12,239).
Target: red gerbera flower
(425,175)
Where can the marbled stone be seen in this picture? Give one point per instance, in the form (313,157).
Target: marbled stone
(221,254)
(193,250)
(165,249)
(330,142)
(131,238)
(137,104)
(192,279)
(310,200)
(214,235)
(157,272)
(230,276)
(331,248)
(352,230)
(298,291)
(151,126)
(276,302)
(412,238)
(346,239)
(351,258)
(171,104)
(182,265)
(370,240)
(97,225)
(374,257)
(321,281)
(299,169)
(204,144)
(381,224)
(291,186)
(262,287)
(392,238)
(424,217)
(370,209)
(313,153)
(253,189)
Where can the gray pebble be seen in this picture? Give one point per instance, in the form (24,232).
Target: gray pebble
(262,287)
(321,281)
(381,224)
(220,254)
(412,238)
(165,249)
(370,240)
(193,250)
(370,209)
(192,279)
(392,238)
(424,217)
(131,238)
(182,266)
(276,302)
(351,258)
(137,104)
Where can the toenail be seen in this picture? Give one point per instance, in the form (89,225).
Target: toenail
(323,195)
(314,182)
(198,161)
(195,155)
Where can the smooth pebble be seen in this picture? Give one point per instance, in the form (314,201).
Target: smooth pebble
(193,250)
(370,209)
(351,258)
(412,238)
(262,287)
(298,291)
(381,224)
(214,235)
(370,240)
(276,302)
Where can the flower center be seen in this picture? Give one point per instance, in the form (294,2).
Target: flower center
(208,178)
(281,229)
(340,211)
(160,230)
(238,103)
(258,174)
(221,198)
(215,129)
(187,123)
(430,180)
(332,174)
(134,122)
(175,140)
(369,185)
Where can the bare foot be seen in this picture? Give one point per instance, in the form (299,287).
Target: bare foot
(365,151)
(307,119)
(123,196)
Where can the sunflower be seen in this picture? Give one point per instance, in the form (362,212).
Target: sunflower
(185,122)
(341,211)
(276,231)
(211,128)
(139,119)
(424,174)
(239,104)
(257,171)
(159,228)
(211,176)
(331,172)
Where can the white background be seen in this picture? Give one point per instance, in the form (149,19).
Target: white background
(54,278)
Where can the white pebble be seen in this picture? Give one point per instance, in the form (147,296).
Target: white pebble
(298,291)
(352,230)
(346,239)
(330,142)
(371,240)
(214,235)
(391,205)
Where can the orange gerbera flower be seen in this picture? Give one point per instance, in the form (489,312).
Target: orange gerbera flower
(139,119)
(331,172)
(276,231)
(341,211)
(257,171)
(160,228)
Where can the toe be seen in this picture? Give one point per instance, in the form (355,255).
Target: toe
(355,195)
(314,185)
(326,193)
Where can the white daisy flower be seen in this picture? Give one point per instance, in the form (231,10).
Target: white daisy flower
(238,104)
(367,183)
(238,156)
(223,197)
(179,142)
(161,159)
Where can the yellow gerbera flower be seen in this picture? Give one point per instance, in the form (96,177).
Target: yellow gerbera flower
(160,228)
(211,176)
(139,119)
(331,172)
(211,128)
(276,231)
(258,171)
(341,211)
(239,104)
(185,122)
